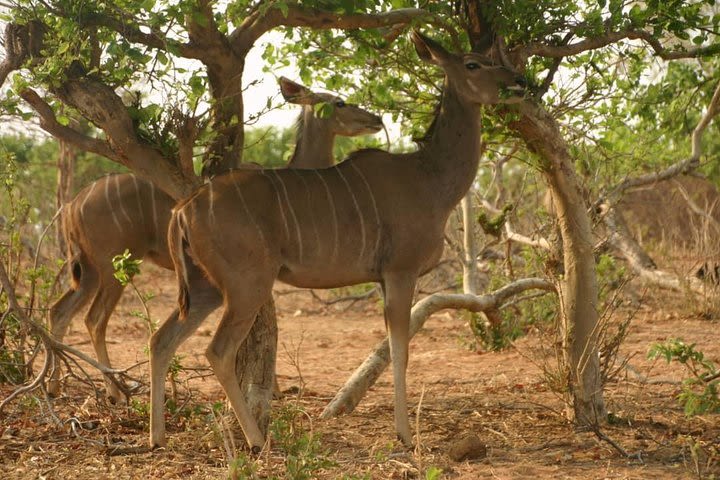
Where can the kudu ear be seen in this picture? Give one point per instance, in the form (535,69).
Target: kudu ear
(428,49)
(295,93)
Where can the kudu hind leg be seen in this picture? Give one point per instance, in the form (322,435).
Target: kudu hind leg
(64,310)
(107,296)
(165,342)
(243,306)
(398,290)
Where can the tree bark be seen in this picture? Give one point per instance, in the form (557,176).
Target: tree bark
(65,182)
(579,291)
(470,270)
(255,364)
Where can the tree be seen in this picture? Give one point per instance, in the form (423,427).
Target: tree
(94,60)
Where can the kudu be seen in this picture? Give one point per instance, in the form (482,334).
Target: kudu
(122,211)
(374,217)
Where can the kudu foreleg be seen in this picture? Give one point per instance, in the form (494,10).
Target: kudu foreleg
(398,290)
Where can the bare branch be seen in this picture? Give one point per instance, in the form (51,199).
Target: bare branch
(683,166)
(259,22)
(367,374)
(600,41)
(642,264)
(49,123)
(132,32)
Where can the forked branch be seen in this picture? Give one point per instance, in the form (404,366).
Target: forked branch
(50,124)
(367,374)
(53,348)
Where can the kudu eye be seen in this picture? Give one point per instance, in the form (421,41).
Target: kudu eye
(472,65)
(340,103)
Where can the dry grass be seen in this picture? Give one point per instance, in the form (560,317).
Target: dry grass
(501,397)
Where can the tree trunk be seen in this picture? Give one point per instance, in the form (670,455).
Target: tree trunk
(255,365)
(579,298)
(64,191)
(470,270)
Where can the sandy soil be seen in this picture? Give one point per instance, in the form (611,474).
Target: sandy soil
(501,397)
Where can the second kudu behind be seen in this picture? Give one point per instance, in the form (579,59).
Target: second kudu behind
(376,216)
(122,211)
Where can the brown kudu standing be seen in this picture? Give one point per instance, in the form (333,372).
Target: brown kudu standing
(374,217)
(122,211)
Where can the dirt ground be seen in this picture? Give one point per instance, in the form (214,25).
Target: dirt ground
(501,397)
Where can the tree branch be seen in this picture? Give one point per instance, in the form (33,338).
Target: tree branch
(367,374)
(102,106)
(132,32)
(262,21)
(600,41)
(683,166)
(49,123)
(621,239)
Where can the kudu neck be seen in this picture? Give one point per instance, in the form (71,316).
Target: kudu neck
(313,142)
(452,151)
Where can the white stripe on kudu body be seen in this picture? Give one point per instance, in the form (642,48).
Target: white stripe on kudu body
(331,203)
(375,209)
(120,203)
(289,204)
(411,195)
(359,213)
(93,229)
(140,209)
(248,213)
(87,195)
(110,205)
(313,214)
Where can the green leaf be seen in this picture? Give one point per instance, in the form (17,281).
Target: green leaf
(200,19)
(323,109)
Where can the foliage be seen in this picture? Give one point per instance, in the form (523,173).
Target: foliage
(35,171)
(33,283)
(304,455)
(125,267)
(699,393)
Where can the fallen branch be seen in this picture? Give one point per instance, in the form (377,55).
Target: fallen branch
(641,263)
(367,374)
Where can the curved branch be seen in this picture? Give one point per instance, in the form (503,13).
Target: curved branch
(600,41)
(49,123)
(100,104)
(262,21)
(132,32)
(367,374)
(683,166)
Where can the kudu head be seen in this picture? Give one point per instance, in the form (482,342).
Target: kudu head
(473,76)
(343,119)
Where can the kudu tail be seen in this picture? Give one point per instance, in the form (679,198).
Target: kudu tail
(69,223)
(178,245)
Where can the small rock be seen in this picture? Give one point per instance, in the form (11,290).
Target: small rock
(468,447)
